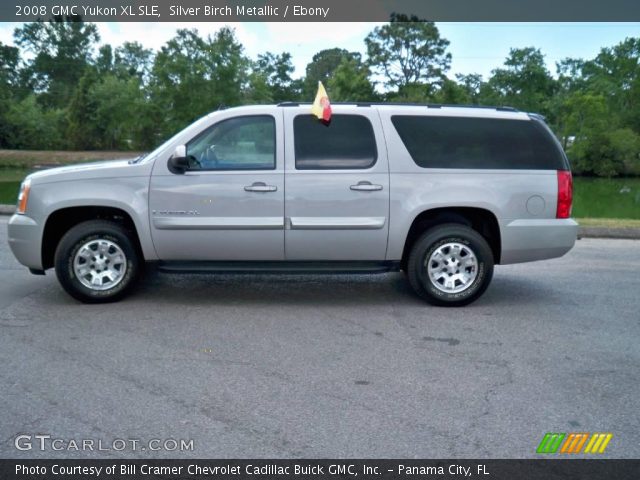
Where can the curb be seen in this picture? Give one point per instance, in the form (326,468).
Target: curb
(583,232)
(7,209)
(606,232)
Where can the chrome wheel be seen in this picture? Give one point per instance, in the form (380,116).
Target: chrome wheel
(452,267)
(100,264)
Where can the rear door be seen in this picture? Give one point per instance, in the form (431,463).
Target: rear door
(337,185)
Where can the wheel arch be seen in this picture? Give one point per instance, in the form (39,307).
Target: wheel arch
(60,221)
(481,220)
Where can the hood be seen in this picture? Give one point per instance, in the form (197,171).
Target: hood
(82,171)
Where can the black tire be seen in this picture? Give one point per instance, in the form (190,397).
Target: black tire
(80,235)
(428,243)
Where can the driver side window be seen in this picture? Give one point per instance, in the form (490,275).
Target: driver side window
(241,143)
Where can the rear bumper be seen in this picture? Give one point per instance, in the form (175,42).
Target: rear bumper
(24,240)
(531,240)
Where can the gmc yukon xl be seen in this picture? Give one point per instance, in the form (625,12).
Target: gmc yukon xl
(442,193)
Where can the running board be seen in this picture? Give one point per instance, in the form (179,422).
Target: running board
(278,267)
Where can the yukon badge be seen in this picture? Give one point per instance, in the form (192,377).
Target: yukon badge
(175,212)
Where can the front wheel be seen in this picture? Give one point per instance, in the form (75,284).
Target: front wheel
(450,265)
(96,262)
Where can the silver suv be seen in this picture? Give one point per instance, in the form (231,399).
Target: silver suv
(440,192)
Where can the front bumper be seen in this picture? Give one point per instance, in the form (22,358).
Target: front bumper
(25,241)
(531,240)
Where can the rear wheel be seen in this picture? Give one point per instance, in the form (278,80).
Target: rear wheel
(96,262)
(450,265)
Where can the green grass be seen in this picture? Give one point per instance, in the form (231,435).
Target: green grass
(10,179)
(9,192)
(606,198)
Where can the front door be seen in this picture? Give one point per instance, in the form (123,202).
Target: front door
(337,179)
(229,205)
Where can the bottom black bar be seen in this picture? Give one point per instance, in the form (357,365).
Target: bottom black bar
(319,469)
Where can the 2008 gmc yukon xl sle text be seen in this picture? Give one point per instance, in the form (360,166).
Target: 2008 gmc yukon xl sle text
(442,193)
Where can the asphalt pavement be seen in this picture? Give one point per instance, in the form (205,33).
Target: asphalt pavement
(324,366)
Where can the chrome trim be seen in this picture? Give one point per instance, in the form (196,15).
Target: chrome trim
(218,223)
(337,223)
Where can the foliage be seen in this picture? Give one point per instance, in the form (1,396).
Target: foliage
(30,126)
(62,50)
(524,82)
(408,51)
(60,88)
(276,71)
(350,82)
(192,76)
(322,67)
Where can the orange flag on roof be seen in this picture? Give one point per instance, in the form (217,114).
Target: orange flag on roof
(321,107)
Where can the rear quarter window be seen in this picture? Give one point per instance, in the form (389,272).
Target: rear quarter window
(478,143)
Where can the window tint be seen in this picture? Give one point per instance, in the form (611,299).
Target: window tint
(347,141)
(242,143)
(459,142)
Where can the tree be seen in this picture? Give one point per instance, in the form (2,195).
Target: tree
(471,84)
(9,80)
(132,59)
(9,61)
(408,51)
(322,67)
(258,90)
(524,82)
(119,108)
(192,76)
(598,146)
(452,93)
(615,72)
(350,82)
(62,51)
(276,71)
(82,131)
(30,126)
(104,61)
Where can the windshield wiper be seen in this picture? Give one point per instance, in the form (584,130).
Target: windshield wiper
(138,158)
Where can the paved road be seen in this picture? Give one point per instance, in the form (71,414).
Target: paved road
(327,366)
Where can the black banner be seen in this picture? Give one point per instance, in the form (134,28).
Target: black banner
(320,469)
(321,10)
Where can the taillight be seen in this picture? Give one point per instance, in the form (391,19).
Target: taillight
(565,194)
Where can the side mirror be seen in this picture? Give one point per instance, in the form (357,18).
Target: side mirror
(178,162)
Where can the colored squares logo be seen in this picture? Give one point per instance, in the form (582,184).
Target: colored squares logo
(598,443)
(574,443)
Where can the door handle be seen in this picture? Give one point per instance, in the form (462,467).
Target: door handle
(366,187)
(260,187)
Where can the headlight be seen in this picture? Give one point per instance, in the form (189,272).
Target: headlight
(23,196)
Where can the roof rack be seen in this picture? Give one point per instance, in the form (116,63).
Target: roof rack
(297,104)
(406,104)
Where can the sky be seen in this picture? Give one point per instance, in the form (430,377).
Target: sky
(475,47)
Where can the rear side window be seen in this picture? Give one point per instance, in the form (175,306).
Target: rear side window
(347,142)
(460,142)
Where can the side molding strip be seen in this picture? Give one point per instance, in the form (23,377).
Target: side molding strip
(337,223)
(219,223)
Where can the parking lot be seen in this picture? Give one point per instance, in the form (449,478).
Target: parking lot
(326,366)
